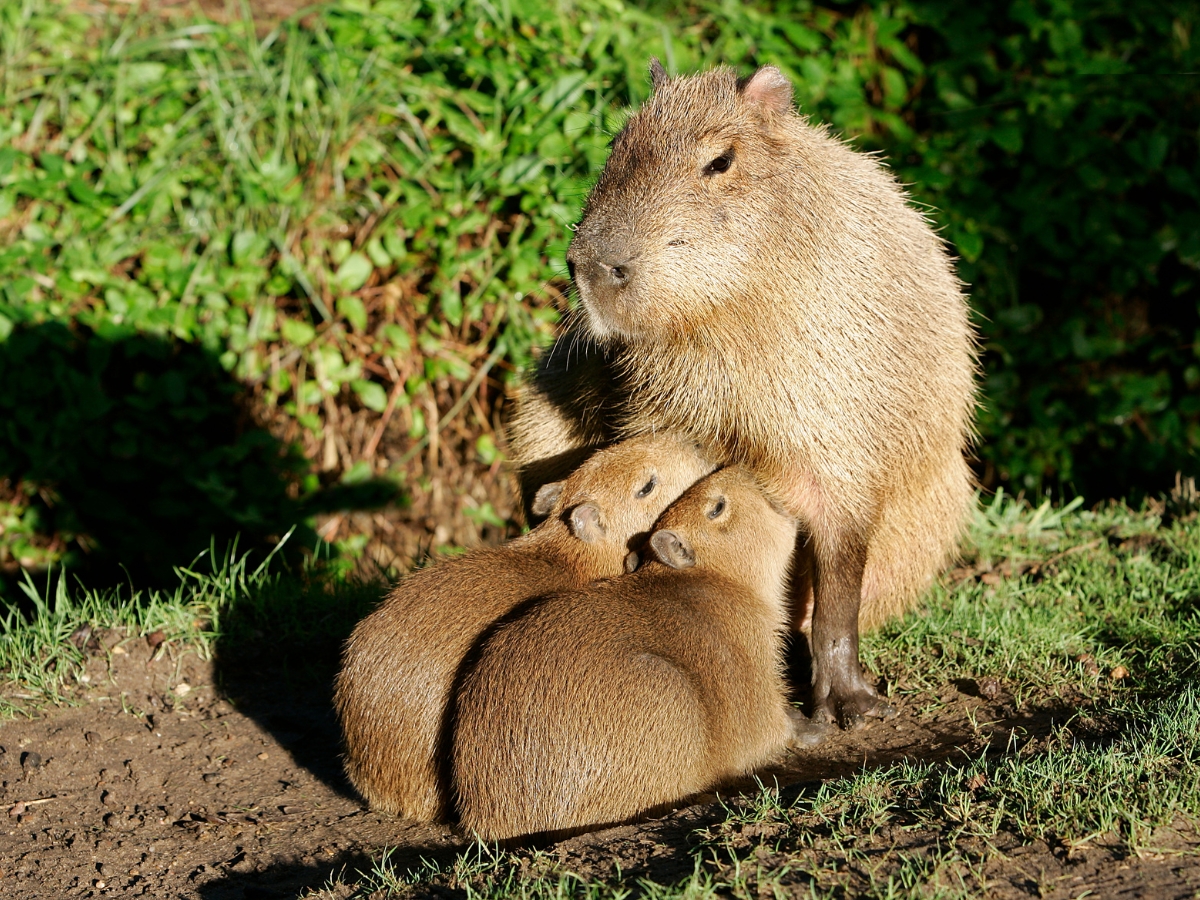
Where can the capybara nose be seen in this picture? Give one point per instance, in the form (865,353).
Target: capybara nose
(597,280)
(597,268)
(617,275)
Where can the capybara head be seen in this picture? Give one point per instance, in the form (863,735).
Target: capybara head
(698,195)
(619,492)
(725,524)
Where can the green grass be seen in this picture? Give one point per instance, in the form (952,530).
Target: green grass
(1114,588)
(234,602)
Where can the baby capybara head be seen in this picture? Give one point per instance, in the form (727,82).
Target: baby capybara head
(697,195)
(619,492)
(725,524)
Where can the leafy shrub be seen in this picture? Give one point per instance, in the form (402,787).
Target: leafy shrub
(363,214)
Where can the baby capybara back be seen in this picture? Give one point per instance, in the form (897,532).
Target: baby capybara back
(595,706)
(400,663)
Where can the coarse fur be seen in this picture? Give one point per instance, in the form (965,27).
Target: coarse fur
(752,282)
(399,665)
(596,706)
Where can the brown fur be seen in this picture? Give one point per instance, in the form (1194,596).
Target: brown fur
(400,663)
(592,707)
(785,306)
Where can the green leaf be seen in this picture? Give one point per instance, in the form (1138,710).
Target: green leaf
(7,157)
(142,74)
(248,247)
(1008,138)
(378,255)
(970,245)
(352,310)
(354,272)
(397,336)
(358,473)
(521,170)
(486,449)
(296,332)
(370,394)
(451,303)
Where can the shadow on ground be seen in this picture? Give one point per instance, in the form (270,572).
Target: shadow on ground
(132,454)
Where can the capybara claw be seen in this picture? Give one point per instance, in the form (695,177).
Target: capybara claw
(854,711)
(807,732)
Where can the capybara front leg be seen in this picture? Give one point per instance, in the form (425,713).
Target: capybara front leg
(840,692)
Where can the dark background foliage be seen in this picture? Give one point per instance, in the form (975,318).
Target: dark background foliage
(1060,142)
(147,454)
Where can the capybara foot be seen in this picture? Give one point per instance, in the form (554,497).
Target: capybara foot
(852,709)
(806,732)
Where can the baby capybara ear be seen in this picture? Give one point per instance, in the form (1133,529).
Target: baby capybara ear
(586,524)
(632,561)
(672,550)
(658,75)
(545,498)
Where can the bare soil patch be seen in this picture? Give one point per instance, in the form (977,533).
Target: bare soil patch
(175,777)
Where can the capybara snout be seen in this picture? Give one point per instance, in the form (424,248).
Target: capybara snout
(603,503)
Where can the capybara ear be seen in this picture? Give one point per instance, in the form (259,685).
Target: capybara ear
(672,550)
(769,89)
(632,560)
(545,498)
(658,75)
(586,524)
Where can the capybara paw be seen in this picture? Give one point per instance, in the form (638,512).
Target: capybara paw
(852,710)
(806,732)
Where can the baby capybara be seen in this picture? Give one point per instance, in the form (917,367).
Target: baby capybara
(401,661)
(595,706)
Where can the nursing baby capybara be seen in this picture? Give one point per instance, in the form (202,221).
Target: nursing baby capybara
(594,706)
(400,663)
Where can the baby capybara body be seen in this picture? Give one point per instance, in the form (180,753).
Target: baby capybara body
(400,663)
(592,707)
(750,281)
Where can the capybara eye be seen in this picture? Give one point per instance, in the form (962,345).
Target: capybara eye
(718,508)
(720,164)
(648,487)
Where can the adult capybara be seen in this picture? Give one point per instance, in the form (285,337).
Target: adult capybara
(400,663)
(750,281)
(591,707)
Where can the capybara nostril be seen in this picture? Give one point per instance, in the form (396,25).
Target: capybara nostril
(618,275)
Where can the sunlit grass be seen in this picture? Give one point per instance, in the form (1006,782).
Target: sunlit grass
(1122,765)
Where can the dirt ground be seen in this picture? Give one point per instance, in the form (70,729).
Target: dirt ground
(170,776)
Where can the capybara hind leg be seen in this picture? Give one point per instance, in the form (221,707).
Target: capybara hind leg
(840,691)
